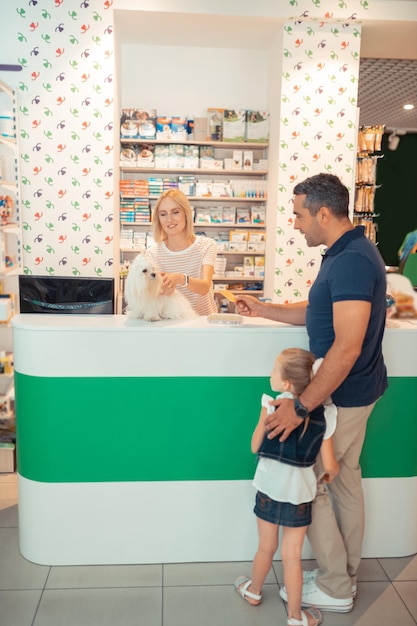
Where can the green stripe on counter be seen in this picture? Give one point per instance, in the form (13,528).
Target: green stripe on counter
(149,429)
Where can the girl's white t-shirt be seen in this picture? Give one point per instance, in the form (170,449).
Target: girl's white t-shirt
(203,251)
(287,483)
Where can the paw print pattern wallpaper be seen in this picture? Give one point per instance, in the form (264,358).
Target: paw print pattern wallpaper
(317,131)
(66,135)
(66,117)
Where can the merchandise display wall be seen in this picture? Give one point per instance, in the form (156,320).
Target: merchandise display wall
(116,416)
(78,203)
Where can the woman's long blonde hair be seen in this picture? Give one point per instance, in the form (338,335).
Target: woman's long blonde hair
(183,203)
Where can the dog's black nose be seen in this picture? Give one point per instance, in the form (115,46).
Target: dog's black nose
(153,275)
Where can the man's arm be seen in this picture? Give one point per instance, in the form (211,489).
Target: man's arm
(350,321)
(288,313)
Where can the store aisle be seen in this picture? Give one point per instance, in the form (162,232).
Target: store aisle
(174,595)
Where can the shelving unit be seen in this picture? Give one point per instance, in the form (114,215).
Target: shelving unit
(244,189)
(369,151)
(10,261)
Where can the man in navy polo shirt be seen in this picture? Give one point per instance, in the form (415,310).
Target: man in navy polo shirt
(345,320)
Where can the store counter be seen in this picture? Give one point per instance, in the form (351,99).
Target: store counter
(134,439)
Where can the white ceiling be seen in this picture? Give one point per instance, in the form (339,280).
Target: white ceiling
(388,68)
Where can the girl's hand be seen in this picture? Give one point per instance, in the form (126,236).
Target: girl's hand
(170,282)
(332,472)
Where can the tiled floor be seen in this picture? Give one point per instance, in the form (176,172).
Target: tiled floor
(194,594)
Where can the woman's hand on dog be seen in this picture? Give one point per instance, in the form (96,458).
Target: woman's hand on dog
(170,280)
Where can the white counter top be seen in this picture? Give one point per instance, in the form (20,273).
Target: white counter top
(112,345)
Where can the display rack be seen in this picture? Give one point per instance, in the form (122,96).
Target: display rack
(10,259)
(240,264)
(369,151)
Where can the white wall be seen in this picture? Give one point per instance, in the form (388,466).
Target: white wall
(185,80)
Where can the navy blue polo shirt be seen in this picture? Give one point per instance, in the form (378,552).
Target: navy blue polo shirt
(351,269)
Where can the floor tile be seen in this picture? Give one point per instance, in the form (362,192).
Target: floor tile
(99,576)
(371,570)
(402,568)
(8,514)
(15,571)
(378,604)
(212,606)
(190,574)
(408,594)
(100,607)
(18,608)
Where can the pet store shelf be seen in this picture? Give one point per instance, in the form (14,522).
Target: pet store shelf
(247,194)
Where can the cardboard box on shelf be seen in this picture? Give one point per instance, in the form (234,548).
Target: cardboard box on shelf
(248,266)
(258,215)
(257,126)
(146,156)
(163,127)
(200,129)
(234,125)
(215,124)
(179,128)
(7,457)
(140,123)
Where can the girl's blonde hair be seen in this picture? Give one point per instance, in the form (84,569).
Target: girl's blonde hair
(182,203)
(297,368)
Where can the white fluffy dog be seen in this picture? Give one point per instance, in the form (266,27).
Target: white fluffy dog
(143,295)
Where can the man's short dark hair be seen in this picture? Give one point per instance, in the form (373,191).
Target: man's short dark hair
(324,190)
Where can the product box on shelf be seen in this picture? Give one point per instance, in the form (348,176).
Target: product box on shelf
(215,123)
(256,241)
(248,266)
(237,160)
(247,159)
(5,408)
(200,129)
(203,188)
(234,125)
(191,156)
(6,307)
(161,156)
(237,236)
(257,126)
(237,241)
(216,215)
(186,184)
(221,189)
(229,215)
(202,216)
(146,156)
(222,242)
(176,156)
(7,457)
(179,128)
(140,123)
(257,215)
(259,266)
(163,127)
(129,155)
(243,215)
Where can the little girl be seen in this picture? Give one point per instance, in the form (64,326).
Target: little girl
(286,484)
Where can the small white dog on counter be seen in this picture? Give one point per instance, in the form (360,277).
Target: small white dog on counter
(144,299)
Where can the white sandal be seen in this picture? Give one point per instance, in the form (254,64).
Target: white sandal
(241,585)
(314,613)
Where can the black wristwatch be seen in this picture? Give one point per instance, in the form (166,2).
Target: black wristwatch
(301,410)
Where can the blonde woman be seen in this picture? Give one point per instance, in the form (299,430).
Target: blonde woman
(186,260)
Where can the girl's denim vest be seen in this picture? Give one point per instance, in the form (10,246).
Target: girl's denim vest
(300,448)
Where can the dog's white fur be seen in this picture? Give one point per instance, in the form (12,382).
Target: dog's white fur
(143,295)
